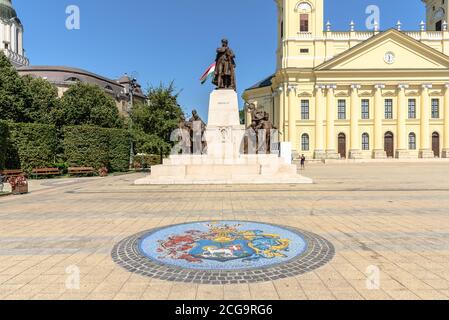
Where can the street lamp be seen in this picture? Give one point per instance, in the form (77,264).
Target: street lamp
(132,86)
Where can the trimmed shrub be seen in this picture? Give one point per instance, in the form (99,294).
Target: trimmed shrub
(4,134)
(96,147)
(27,145)
(119,148)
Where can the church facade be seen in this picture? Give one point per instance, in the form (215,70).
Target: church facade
(358,94)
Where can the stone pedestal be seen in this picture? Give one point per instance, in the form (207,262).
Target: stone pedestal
(286,152)
(426,154)
(379,154)
(445,153)
(224,162)
(332,155)
(319,154)
(355,154)
(403,154)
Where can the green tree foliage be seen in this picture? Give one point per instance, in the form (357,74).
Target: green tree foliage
(154,122)
(86,104)
(43,100)
(13,94)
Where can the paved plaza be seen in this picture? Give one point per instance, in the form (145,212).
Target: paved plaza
(387,222)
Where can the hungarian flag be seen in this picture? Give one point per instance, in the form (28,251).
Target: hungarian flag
(209,73)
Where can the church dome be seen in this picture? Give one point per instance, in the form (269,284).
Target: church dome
(7,11)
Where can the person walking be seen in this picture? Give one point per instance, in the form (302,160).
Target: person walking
(303,162)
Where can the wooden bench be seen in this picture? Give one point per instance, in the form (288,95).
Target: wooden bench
(46,172)
(81,170)
(6,174)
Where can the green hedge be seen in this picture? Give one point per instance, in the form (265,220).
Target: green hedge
(4,133)
(119,147)
(27,145)
(96,147)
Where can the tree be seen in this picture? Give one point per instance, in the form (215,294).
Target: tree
(154,122)
(43,100)
(13,94)
(86,104)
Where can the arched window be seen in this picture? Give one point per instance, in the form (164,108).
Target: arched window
(304,9)
(412,141)
(365,141)
(305,142)
(17,42)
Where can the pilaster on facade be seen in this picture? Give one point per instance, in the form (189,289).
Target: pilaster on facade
(379,150)
(319,152)
(402,151)
(331,152)
(446,122)
(291,91)
(354,151)
(425,150)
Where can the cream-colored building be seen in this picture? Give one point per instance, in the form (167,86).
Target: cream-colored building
(358,94)
(11,34)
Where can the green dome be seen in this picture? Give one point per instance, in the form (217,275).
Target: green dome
(7,11)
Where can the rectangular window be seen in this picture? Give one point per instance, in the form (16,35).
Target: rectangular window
(304,50)
(341,109)
(305,110)
(304,23)
(435,108)
(365,109)
(388,108)
(412,108)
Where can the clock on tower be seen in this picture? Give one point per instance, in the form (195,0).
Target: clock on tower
(436,14)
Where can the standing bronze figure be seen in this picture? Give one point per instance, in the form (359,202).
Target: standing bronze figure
(225,67)
(197,129)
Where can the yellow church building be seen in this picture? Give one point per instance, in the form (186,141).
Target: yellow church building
(358,94)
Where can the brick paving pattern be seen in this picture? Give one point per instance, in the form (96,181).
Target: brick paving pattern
(390,217)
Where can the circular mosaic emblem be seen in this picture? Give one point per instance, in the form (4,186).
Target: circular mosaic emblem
(223,252)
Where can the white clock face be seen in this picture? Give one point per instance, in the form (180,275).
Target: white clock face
(439,14)
(389,57)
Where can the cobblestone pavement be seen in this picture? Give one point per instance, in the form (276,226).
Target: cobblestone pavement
(389,218)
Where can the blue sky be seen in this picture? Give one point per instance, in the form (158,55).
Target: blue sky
(160,41)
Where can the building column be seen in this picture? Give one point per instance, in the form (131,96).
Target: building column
(292,116)
(319,128)
(425,150)
(379,150)
(331,152)
(281,125)
(402,151)
(446,123)
(354,151)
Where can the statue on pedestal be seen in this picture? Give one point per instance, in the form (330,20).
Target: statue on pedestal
(225,67)
(183,136)
(259,134)
(197,129)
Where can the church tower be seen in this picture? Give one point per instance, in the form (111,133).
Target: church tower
(298,20)
(11,34)
(436,14)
